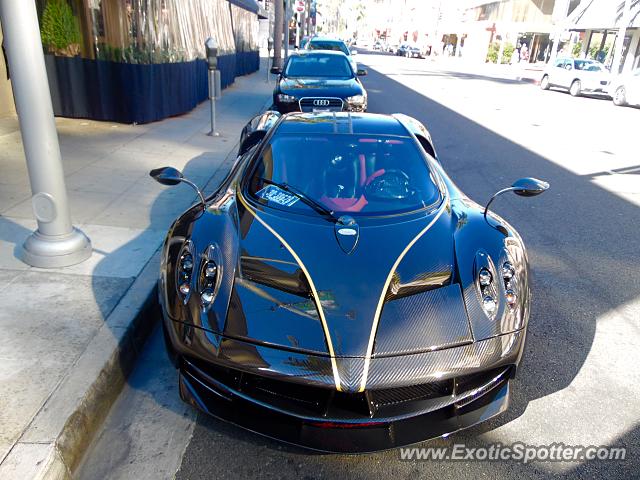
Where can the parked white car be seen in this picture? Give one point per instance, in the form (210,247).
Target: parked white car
(576,75)
(625,89)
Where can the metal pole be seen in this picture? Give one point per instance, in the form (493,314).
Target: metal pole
(55,243)
(287,18)
(212,102)
(617,64)
(277,33)
(267,67)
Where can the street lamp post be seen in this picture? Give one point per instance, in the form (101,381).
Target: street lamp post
(277,33)
(288,12)
(55,243)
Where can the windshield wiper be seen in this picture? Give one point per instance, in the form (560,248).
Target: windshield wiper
(317,206)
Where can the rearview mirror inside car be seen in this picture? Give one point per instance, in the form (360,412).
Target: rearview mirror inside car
(362,72)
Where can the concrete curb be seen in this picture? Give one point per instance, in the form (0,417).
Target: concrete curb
(54,443)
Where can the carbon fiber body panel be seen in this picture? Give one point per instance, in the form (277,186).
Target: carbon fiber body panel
(384,372)
(428,367)
(426,321)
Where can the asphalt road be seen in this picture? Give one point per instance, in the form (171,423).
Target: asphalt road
(579,383)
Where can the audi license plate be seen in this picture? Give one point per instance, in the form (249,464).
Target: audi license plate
(319,109)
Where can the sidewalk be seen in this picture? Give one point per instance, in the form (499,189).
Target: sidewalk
(70,335)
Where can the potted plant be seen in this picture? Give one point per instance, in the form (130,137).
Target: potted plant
(59,31)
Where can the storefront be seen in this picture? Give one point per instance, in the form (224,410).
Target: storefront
(600,24)
(138,61)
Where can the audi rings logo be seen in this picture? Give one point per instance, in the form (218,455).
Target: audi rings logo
(321,103)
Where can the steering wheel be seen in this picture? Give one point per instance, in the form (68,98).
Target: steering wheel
(393,184)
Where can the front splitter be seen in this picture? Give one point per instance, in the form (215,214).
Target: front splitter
(339,436)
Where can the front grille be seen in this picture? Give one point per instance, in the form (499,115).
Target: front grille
(427,391)
(320,103)
(310,400)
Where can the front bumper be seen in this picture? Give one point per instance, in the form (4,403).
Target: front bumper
(288,107)
(339,436)
(292,396)
(596,87)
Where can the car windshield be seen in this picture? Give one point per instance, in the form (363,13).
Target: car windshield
(588,66)
(318,65)
(328,45)
(346,173)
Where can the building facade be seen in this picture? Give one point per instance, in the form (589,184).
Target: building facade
(608,31)
(137,61)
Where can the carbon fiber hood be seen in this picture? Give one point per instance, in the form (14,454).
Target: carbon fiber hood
(410,306)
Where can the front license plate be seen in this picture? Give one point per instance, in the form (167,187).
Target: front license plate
(321,109)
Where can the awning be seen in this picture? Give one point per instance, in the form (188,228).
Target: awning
(250,5)
(602,14)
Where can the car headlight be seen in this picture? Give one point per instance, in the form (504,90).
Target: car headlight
(356,99)
(284,98)
(487,287)
(210,276)
(184,271)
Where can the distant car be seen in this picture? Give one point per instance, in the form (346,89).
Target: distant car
(409,51)
(576,75)
(625,89)
(320,80)
(392,47)
(323,43)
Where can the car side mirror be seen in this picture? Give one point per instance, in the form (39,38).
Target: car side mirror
(276,70)
(362,72)
(529,187)
(167,175)
(172,176)
(524,187)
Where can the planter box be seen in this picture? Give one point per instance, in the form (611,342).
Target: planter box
(135,93)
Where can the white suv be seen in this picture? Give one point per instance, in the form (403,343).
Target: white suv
(576,75)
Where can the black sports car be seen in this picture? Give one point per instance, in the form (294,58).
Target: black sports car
(339,292)
(318,80)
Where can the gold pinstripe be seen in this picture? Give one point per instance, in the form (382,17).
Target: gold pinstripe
(376,316)
(316,297)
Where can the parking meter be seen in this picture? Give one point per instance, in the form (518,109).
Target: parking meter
(269,48)
(211,46)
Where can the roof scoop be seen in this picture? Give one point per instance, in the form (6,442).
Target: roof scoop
(347,233)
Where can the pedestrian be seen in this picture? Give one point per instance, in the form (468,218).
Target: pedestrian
(524,53)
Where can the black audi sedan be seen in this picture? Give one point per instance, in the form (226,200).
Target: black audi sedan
(319,81)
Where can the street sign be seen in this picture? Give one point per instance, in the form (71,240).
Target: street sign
(300,6)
